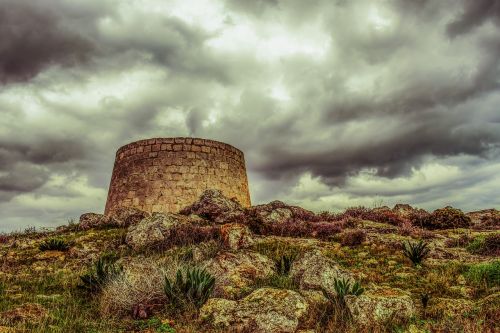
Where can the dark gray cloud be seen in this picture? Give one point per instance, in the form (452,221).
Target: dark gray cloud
(475,13)
(33,37)
(333,103)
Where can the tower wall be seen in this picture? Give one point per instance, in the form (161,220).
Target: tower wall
(167,174)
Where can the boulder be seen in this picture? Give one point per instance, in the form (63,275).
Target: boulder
(235,271)
(214,206)
(378,306)
(127,216)
(315,271)
(94,220)
(153,230)
(279,212)
(266,310)
(236,236)
(28,312)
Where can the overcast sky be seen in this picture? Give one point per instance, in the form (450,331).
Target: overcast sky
(334,103)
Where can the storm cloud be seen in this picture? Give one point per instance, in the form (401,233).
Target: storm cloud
(335,103)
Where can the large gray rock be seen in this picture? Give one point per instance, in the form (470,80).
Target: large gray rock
(315,271)
(236,236)
(266,310)
(378,306)
(214,206)
(94,220)
(279,212)
(127,216)
(235,271)
(153,230)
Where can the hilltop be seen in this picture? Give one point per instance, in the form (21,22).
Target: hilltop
(218,267)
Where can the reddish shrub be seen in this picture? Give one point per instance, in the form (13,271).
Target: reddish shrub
(325,230)
(406,228)
(446,218)
(290,229)
(4,238)
(186,234)
(488,222)
(353,237)
(491,245)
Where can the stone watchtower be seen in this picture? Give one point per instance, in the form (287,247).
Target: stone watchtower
(167,174)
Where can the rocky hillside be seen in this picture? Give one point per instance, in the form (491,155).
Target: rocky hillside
(217,267)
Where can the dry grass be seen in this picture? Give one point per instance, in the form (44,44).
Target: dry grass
(140,285)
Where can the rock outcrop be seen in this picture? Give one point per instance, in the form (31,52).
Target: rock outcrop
(154,230)
(235,271)
(215,207)
(378,306)
(266,310)
(315,271)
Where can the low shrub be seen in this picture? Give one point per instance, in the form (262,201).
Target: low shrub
(484,274)
(54,244)
(3,238)
(416,252)
(192,289)
(103,270)
(461,241)
(488,222)
(353,237)
(446,218)
(485,245)
(325,230)
(406,228)
(188,234)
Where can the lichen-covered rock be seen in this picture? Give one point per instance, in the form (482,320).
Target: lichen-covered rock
(214,206)
(315,271)
(129,216)
(94,220)
(153,230)
(28,312)
(448,307)
(219,312)
(235,271)
(266,310)
(378,306)
(279,212)
(236,236)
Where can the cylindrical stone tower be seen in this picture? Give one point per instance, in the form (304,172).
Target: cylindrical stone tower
(167,174)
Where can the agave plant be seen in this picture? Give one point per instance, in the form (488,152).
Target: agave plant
(416,252)
(344,287)
(103,270)
(194,288)
(54,244)
(284,264)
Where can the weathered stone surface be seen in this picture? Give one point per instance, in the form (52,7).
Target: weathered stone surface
(28,312)
(129,216)
(448,307)
(167,174)
(219,312)
(266,310)
(214,206)
(236,236)
(279,212)
(236,271)
(152,230)
(377,306)
(315,271)
(93,220)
